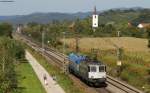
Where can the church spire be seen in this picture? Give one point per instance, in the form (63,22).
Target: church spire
(95,19)
(94,10)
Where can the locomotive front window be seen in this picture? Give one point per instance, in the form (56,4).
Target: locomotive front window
(102,69)
(92,69)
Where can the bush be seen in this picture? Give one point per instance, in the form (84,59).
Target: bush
(125,76)
(10,52)
(6,30)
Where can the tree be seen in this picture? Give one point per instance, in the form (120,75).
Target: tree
(11,51)
(6,30)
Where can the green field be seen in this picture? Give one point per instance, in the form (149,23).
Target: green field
(28,81)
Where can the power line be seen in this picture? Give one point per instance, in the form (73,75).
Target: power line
(4,1)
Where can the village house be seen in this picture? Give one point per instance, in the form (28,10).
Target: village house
(144,25)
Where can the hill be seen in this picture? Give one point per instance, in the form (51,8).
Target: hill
(120,15)
(144,17)
(42,17)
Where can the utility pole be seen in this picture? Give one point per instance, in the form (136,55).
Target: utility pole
(3,66)
(3,61)
(74,28)
(95,52)
(118,34)
(118,51)
(65,63)
(43,37)
(77,42)
(64,43)
(119,63)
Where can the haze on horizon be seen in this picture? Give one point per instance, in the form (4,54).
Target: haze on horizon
(22,7)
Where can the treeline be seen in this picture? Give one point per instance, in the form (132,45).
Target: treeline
(54,31)
(110,22)
(10,53)
(6,30)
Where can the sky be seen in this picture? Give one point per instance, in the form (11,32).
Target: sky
(23,7)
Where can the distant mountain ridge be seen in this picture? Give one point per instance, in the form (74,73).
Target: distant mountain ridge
(116,14)
(43,17)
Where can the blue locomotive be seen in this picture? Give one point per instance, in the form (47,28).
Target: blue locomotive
(91,71)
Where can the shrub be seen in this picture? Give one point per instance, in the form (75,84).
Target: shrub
(10,52)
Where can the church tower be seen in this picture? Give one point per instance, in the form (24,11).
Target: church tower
(95,19)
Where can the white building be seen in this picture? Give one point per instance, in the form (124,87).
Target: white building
(140,26)
(95,19)
(144,25)
(19,29)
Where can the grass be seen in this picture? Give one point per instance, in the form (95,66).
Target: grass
(127,43)
(63,80)
(28,81)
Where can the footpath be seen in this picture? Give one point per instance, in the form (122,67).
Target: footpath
(51,86)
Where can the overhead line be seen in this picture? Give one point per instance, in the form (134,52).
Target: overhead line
(6,1)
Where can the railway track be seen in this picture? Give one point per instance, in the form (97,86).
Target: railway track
(58,58)
(125,88)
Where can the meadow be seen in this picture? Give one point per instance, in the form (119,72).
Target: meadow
(108,43)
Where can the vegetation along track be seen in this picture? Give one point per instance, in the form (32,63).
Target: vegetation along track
(58,58)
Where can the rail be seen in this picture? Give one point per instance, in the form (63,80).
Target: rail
(122,86)
(59,58)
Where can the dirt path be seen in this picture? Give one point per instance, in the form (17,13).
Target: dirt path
(52,86)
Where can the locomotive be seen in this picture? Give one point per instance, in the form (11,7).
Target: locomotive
(92,72)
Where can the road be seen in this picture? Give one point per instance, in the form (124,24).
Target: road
(52,86)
